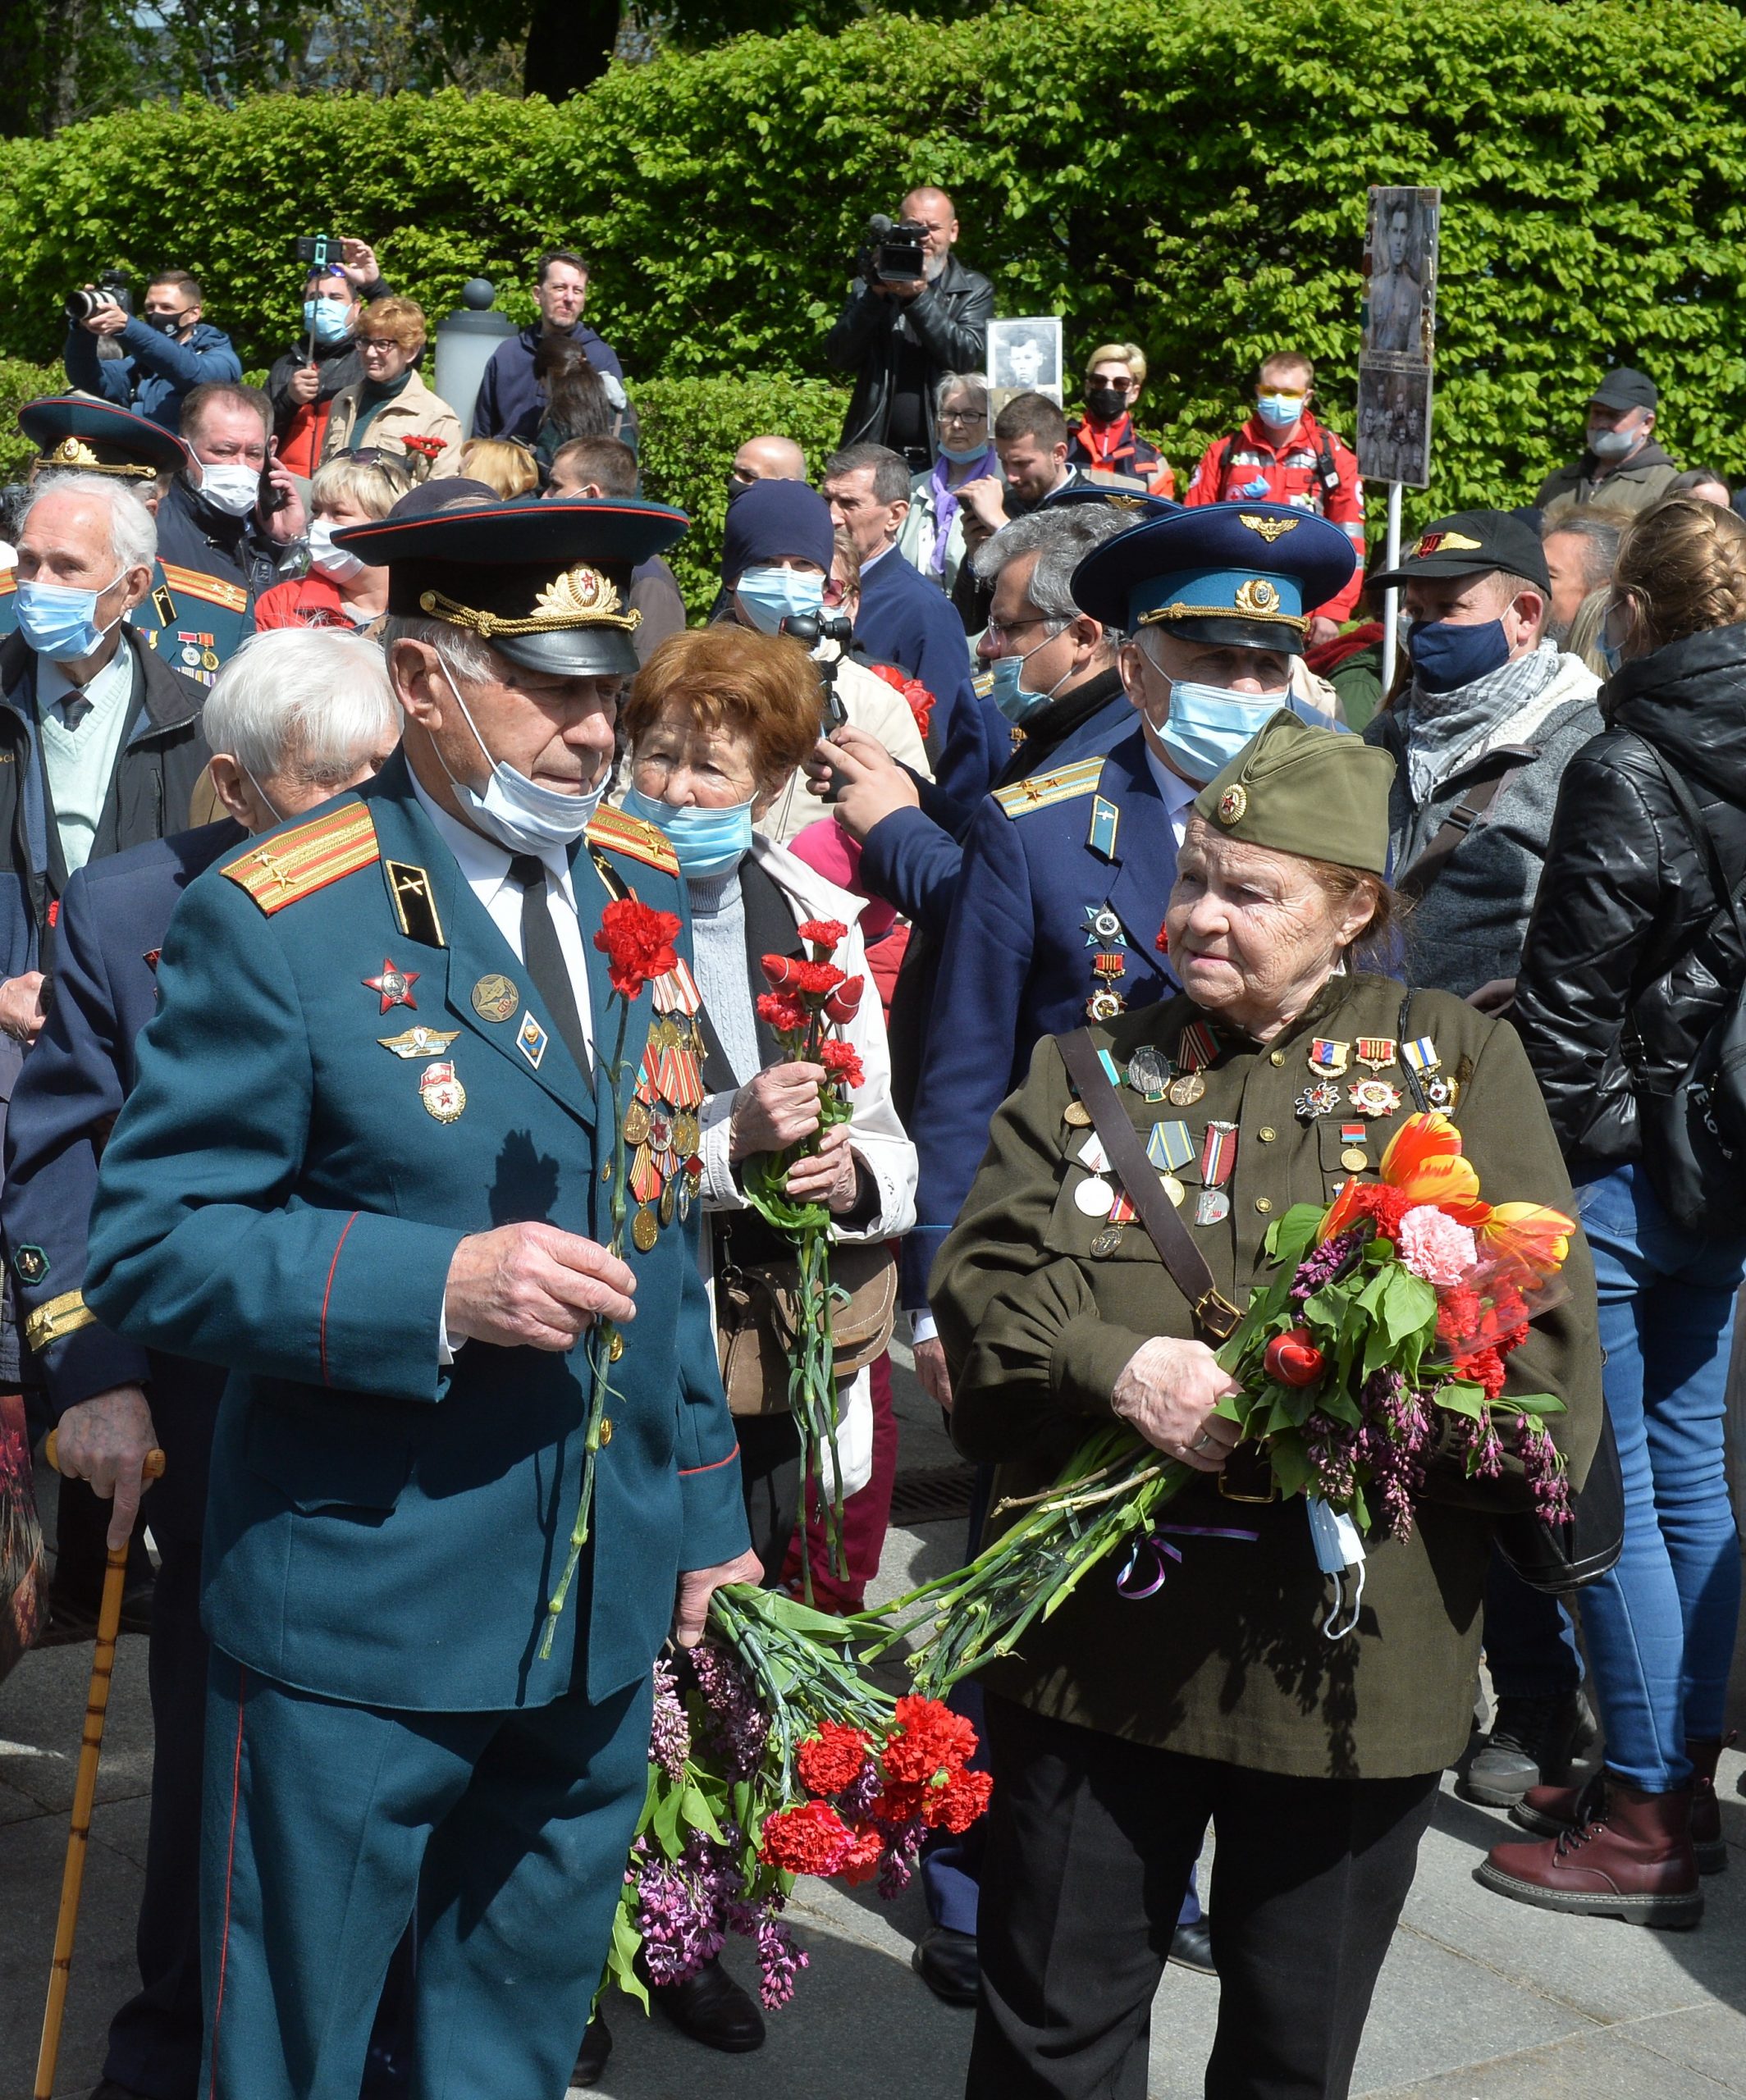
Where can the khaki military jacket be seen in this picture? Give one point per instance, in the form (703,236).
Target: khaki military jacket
(1228,1659)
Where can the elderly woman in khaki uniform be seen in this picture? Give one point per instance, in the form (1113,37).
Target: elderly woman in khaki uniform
(1126,1726)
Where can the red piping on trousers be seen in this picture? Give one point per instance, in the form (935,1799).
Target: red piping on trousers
(229,1869)
(328,1292)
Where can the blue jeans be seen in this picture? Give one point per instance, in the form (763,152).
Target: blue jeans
(1661,1627)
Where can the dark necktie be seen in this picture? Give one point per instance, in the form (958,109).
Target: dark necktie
(544,959)
(74,709)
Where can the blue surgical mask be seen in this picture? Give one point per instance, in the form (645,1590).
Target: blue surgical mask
(770,595)
(59,621)
(1207,725)
(1013,700)
(963,458)
(520,814)
(1446,657)
(329,320)
(707,841)
(1280,411)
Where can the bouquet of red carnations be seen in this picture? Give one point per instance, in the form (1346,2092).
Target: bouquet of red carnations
(771,1755)
(1382,1338)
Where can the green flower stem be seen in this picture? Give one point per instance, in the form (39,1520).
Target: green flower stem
(600,1354)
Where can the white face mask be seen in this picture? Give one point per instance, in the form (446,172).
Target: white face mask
(520,814)
(233,490)
(334,562)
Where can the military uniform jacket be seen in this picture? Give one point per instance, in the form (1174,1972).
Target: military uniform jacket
(283,1194)
(1021,955)
(1228,1660)
(195,622)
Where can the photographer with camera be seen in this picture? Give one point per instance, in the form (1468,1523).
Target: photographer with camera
(917,314)
(342,278)
(165,351)
(776,554)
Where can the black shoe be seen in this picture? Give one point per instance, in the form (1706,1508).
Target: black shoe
(712,2009)
(1191,1947)
(113,2090)
(590,2058)
(1534,1743)
(946,1962)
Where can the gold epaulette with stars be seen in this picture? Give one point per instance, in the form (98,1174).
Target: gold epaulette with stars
(619,833)
(290,865)
(1042,789)
(196,583)
(8,582)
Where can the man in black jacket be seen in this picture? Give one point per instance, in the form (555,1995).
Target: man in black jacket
(103,745)
(212,519)
(324,357)
(901,339)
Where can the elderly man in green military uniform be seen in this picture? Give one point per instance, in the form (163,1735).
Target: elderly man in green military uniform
(367,1166)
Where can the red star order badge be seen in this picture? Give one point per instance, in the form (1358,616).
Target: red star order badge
(394,985)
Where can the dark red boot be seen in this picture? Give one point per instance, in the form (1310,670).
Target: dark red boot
(1630,1857)
(1708,1844)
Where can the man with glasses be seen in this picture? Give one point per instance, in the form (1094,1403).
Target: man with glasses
(160,354)
(900,338)
(216,519)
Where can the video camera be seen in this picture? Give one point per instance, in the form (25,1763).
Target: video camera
(893,252)
(810,630)
(321,251)
(110,289)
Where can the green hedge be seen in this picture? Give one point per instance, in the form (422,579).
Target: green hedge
(691,429)
(1189,173)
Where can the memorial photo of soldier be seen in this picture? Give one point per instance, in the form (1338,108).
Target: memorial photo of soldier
(1400,260)
(1024,357)
(1394,424)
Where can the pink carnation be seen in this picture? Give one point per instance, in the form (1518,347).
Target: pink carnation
(1433,1246)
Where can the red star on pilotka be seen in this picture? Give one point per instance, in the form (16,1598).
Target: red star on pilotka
(394,985)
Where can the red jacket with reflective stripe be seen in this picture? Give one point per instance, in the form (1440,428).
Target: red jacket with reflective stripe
(1260,465)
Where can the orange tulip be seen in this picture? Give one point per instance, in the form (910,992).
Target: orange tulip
(1529,1233)
(1342,1213)
(1424,1160)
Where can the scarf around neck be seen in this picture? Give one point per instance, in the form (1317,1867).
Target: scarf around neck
(945,498)
(1442,728)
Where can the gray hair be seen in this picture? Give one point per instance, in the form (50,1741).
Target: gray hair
(312,701)
(971,383)
(1600,530)
(891,474)
(464,654)
(133,530)
(1060,538)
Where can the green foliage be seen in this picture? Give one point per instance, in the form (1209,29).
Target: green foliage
(1187,173)
(691,428)
(19,382)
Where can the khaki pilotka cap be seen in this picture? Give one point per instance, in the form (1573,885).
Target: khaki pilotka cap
(1321,793)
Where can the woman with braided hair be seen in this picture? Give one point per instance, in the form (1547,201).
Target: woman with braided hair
(1626,966)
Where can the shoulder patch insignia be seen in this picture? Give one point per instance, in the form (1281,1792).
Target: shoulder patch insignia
(1043,790)
(296,863)
(619,833)
(214,589)
(8,582)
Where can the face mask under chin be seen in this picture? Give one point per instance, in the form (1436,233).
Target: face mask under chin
(521,815)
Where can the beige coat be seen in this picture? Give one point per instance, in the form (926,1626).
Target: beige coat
(415,411)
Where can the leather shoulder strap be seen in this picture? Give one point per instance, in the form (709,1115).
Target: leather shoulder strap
(1415,881)
(1216,1315)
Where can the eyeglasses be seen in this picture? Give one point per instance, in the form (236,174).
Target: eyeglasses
(1004,631)
(1115,386)
(963,415)
(369,343)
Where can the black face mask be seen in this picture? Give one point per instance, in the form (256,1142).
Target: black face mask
(1105,403)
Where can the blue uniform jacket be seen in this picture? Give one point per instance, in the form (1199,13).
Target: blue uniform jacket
(904,619)
(154,373)
(912,857)
(1017,963)
(81,1069)
(194,621)
(275,1198)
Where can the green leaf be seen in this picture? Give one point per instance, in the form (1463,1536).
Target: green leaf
(621,1956)
(668,1809)
(698,1812)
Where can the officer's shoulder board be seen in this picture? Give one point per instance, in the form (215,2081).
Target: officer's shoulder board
(8,582)
(615,833)
(294,864)
(211,589)
(1043,790)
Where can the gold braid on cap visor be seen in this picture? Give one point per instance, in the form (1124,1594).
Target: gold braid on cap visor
(75,454)
(580,597)
(1299,626)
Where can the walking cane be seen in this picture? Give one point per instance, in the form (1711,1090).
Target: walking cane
(84,1791)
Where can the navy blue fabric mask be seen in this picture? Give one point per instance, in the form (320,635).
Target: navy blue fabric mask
(1446,657)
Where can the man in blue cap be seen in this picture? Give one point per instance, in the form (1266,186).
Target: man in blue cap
(1066,873)
(192,618)
(365,1166)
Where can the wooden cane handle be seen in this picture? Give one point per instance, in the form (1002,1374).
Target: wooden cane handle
(153,1469)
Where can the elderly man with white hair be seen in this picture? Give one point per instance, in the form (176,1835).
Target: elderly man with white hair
(296,716)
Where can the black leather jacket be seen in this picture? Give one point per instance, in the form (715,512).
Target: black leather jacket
(1624,966)
(949,319)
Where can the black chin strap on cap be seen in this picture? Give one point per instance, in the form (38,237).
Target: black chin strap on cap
(1234,633)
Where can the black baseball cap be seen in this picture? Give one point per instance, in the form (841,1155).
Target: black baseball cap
(1469,543)
(1624,388)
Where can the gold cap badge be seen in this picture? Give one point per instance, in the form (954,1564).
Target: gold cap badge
(1233,803)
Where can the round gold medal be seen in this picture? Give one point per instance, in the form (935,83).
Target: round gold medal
(1186,1089)
(636,1122)
(669,1199)
(644,1232)
(494,997)
(686,1133)
(1354,1158)
(1076,1113)
(1173,1189)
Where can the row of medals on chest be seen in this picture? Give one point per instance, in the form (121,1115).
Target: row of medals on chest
(1170,1145)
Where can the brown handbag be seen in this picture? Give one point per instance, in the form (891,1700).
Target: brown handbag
(757,1315)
